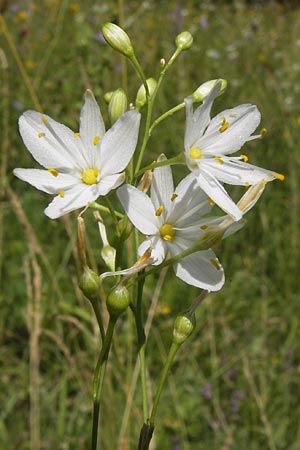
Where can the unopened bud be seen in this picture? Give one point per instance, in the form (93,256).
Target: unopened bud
(117,105)
(184,40)
(183,327)
(107,96)
(141,98)
(117,301)
(108,254)
(205,88)
(89,283)
(117,39)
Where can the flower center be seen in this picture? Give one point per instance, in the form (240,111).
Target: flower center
(167,232)
(195,153)
(89,176)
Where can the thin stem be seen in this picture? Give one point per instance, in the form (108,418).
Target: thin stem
(97,311)
(98,207)
(165,115)
(99,378)
(166,162)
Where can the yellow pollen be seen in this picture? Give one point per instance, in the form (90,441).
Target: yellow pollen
(245,158)
(96,140)
(263,132)
(145,256)
(43,119)
(195,153)
(279,176)
(62,194)
(159,210)
(41,134)
(76,135)
(247,184)
(224,125)
(167,232)
(89,176)
(219,159)
(210,201)
(173,197)
(215,263)
(53,171)
(204,227)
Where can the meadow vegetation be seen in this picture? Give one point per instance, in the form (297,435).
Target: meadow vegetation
(235,383)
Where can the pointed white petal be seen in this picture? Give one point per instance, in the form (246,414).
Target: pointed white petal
(197,121)
(242,122)
(91,127)
(237,172)
(201,269)
(110,182)
(158,249)
(50,143)
(119,143)
(139,209)
(44,181)
(162,187)
(76,197)
(218,194)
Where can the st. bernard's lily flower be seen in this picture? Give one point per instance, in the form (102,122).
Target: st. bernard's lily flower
(208,142)
(82,166)
(171,220)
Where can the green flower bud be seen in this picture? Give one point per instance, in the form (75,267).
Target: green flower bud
(117,39)
(89,283)
(140,100)
(117,301)
(184,40)
(183,327)
(117,105)
(205,88)
(108,254)
(107,96)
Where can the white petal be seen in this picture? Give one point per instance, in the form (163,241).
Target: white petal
(243,121)
(119,143)
(218,194)
(197,121)
(50,143)
(110,182)
(139,209)
(77,197)
(158,249)
(91,127)
(162,187)
(201,269)
(44,181)
(236,172)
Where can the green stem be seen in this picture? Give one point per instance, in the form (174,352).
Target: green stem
(98,379)
(97,311)
(165,115)
(98,207)
(166,162)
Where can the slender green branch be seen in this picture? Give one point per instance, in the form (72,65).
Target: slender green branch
(165,115)
(139,70)
(97,311)
(98,207)
(179,159)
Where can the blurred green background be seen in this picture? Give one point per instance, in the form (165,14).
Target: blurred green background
(235,385)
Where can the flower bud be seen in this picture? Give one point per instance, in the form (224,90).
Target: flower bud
(108,254)
(89,283)
(117,39)
(140,100)
(184,40)
(107,96)
(117,105)
(205,88)
(117,301)
(183,327)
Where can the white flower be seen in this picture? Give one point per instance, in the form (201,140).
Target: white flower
(207,142)
(172,220)
(80,166)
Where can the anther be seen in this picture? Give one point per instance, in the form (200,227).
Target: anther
(173,197)
(215,263)
(96,140)
(41,134)
(219,159)
(159,210)
(53,171)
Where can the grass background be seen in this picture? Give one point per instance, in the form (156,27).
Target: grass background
(235,386)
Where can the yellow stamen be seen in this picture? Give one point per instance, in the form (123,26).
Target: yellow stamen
(96,140)
(225,124)
(89,176)
(62,194)
(263,132)
(173,197)
(219,159)
(195,153)
(53,171)
(76,135)
(279,176)
(41,134)
(245,158)
(43,119)
(204,227)
(210,201)
(167,232)
(146,255)
(215,263)
(159,210)
(247,184)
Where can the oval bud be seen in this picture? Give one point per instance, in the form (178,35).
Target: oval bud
(89,283)
(184,40)
(107,96)
(205,88)
(141,98)
(117,39)
(117,105)
(183,327)
(117,301)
